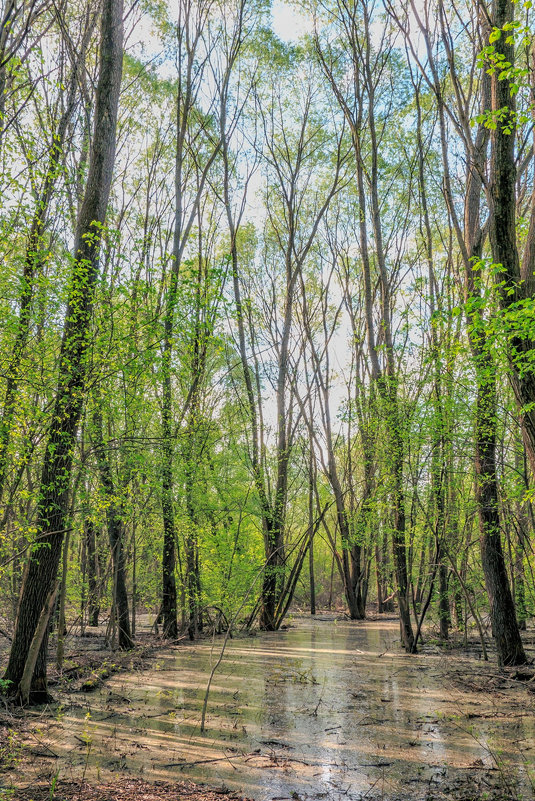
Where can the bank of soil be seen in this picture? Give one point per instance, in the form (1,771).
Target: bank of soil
(327,709)
(28,764)
(122,790)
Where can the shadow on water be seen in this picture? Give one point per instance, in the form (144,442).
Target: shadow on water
(327,709)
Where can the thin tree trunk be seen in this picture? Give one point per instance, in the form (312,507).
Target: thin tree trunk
(438,456)
(385,381)
(62,598)
(134,575)
(114,519)
(93,600)
(24,688)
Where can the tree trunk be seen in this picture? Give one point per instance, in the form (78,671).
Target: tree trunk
(52,509)
(443,605)
(62,599)
(24,690)
(93,601)
(470,241)
(114,519)
(515,281)
(191,28)
(34,257)
(312,478)
(384,380)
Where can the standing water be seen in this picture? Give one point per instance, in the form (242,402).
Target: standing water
(326,709)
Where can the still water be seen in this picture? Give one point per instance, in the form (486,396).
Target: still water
(327,709)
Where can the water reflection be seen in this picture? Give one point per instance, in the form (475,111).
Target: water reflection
(328,709)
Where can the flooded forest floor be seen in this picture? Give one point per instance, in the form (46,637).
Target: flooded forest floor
(326,709)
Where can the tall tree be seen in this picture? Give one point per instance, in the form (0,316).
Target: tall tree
(52,508)
(515,276)
(470,239)
(36,250)
(198,143)
(360,106)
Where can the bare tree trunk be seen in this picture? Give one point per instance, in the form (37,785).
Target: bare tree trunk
(114,518)
(351,548)
(93,600)
(63,592)
(24,688)
(311,479)
(356,21)
(522,531)
(438,456)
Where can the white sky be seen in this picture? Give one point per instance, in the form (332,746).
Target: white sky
(288,22)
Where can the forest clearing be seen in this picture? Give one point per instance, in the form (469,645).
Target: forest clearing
(267,399)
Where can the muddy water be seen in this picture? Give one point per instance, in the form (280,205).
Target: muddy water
(325,710)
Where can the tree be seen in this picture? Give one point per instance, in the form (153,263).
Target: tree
(51,513)
(293,327)
(198,143)
(470,242)
(36,246)
(367,65)
(514,276)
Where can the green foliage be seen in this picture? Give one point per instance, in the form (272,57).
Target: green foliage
(287,133)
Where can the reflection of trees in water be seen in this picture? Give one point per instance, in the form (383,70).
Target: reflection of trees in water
(310,710)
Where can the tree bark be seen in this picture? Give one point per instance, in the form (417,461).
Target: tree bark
(515,281)
(93,601)
(35,255)
(311,478)
(470,240)
(24,689)
(114,519)
(52,509)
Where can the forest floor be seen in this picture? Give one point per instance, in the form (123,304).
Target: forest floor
(88,662)
(125,789)
(32,766)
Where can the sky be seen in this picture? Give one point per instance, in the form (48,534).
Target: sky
(288,23)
